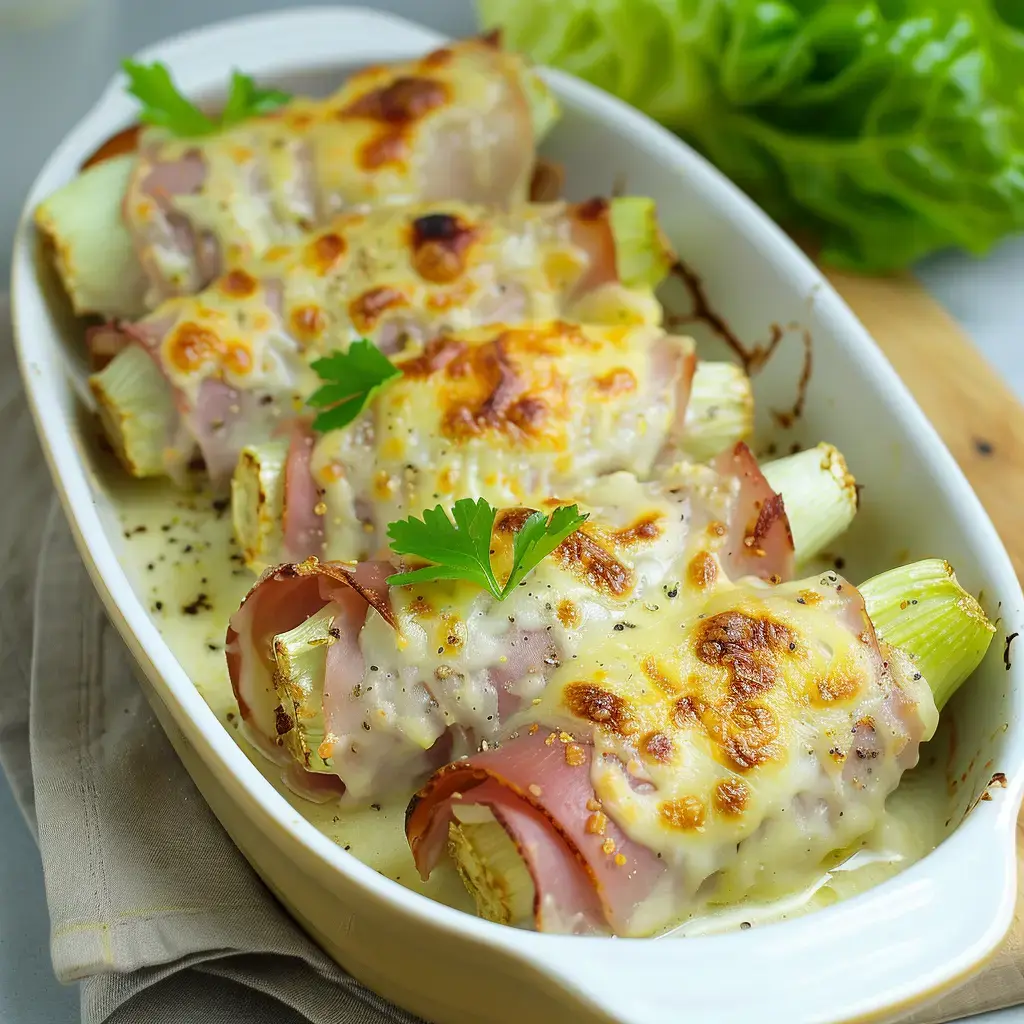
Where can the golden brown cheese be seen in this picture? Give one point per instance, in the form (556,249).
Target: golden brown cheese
(396,275)
(716,717)
(395,134)
(502,413)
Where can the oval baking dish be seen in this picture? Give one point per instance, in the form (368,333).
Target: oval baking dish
(868,957)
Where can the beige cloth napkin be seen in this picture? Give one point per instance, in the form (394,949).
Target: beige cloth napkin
(151,906)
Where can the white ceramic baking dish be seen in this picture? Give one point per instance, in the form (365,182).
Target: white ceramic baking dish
(872,956)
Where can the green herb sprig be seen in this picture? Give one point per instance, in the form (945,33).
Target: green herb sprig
(353,377)
(164,105)
(460,546)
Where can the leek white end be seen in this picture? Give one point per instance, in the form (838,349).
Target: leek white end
(92,247)
(820,494)
(923,610)
(643,255)
(137,411)
(491,868)
(257,502)
(544,108)
(301,656)
(720,412)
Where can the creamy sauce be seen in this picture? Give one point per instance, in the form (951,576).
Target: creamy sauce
(179,552)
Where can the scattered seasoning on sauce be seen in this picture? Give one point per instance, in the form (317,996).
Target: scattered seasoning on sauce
(201,603)
(983,447)
(1006,650)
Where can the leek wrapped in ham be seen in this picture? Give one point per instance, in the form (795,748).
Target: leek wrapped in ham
(724,748)
(373,686)
(432,673)
(505,413)
(237,355)
(459,123)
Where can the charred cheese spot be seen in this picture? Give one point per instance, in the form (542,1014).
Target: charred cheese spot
(390,147)
(618,381)
(282,720)
(324,254)
(658,747)
(405,100)
(659,677)
(810,597)
(421,607)
(575,755)
(643,531)
(438,354)
(702,570)
(731,796)
(717,529)
(747,647)
(365,310)
(750,735)
(384,485)
(452,634)
(238,284)
(838,686)
(580,555)
(569,614)
(190,345)
(745,734)
(451,298)
(602,707)
(440,242)
(686,813)
(438,58)
(507,405)
(308,322)
(238,358)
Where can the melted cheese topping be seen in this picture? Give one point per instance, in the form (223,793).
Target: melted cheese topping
(744,735)
(395,275)
(455,122)
(462,663)
(508,414)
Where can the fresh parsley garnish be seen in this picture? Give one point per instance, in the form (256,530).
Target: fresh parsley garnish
(164,105)
(354,377)
(460,546)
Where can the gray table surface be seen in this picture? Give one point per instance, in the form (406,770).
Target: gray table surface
(49,75)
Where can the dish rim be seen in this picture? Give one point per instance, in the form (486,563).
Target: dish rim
(303,40)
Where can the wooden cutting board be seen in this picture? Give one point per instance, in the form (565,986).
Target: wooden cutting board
(982,423)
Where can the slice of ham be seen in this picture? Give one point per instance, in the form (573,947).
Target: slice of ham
(591,229)
(281,599)
(759,541)
(303,524)
(588,875)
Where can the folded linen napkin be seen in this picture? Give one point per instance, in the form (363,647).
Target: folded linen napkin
(151,906)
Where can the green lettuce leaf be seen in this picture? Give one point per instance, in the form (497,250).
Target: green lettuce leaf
(886,130)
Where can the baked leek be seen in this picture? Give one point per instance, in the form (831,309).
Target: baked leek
(257,501)
(918,609)
(720,411)
(91,245)
(137,411)
(923,610)
(820,495)
(301,656)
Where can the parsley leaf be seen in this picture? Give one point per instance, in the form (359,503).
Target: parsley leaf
(354,377)
(164,105)
(460,547)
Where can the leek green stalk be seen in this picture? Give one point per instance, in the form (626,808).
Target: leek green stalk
(720,411)
(820,495)
(923,610)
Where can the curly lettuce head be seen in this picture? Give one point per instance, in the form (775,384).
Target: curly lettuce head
(886,129)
